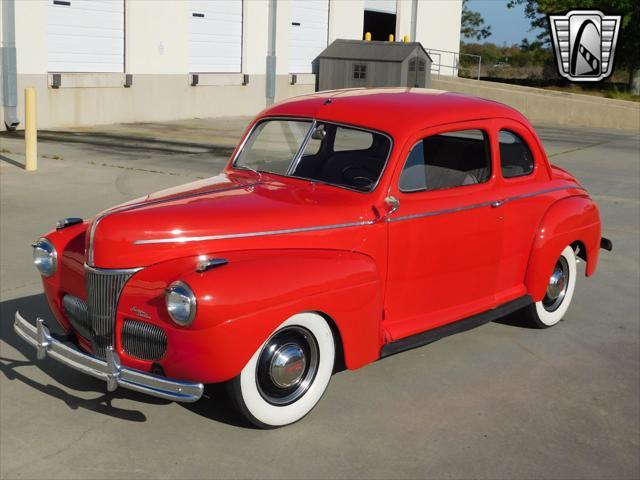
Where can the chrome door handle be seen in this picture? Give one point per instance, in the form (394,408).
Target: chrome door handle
(497,203)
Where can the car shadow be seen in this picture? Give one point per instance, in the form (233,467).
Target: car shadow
(212,406)
(215,406)
(519,318)
(36,305)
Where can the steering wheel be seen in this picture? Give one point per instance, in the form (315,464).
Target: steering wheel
(359,177)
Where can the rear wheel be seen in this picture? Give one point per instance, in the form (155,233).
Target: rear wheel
(288,374)
(552,308)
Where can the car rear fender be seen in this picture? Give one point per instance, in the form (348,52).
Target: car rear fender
(569,221)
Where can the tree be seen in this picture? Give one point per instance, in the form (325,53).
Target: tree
(472,25)
(627,55)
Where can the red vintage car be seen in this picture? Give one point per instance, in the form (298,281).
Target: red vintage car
(348,226)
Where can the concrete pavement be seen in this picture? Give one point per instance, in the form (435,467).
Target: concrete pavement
(500,401)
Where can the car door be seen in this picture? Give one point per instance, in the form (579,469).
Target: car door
(445,238)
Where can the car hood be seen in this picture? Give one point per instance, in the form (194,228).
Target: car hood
(223,213)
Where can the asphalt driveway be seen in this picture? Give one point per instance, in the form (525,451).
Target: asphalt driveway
(500,401)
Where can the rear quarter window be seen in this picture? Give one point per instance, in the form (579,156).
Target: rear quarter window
(516,159)
(350,139)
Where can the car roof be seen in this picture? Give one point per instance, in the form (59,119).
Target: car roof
(397,111)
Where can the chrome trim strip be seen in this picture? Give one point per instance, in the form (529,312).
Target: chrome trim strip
(540,192)
(133,206)
(92,231)
(111,371)
(112,271)
(253,234)
(478,205)
(438,212)
(347,225)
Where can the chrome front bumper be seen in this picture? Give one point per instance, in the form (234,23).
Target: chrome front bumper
(111,371)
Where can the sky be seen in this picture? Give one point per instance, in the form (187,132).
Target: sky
(508,25)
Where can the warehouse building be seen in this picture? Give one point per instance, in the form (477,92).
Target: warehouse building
(107,61)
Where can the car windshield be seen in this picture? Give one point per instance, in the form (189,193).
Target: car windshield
(339,155)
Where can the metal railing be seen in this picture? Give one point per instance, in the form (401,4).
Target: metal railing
(447,62)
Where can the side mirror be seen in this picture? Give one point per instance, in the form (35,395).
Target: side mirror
(391,205)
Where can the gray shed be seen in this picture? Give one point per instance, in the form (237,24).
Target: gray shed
(357,63)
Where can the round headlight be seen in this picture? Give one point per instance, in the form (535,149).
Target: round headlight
(45,257)
(181,303)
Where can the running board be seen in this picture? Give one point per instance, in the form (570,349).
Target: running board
(463,325)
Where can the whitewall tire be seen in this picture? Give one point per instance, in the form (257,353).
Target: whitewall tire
(288,373)
(562,283)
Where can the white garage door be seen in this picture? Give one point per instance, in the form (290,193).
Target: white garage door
(382,6)
(307,33)
(86,35)
(215,36)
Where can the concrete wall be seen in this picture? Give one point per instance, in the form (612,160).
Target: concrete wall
(156,54)
(550,107)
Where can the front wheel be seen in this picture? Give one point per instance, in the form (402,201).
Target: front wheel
(288,374)
(562,283)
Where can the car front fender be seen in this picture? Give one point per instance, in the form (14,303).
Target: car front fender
(567,221)
(239,304)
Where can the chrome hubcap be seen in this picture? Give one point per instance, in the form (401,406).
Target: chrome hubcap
(557,287)
(287,365)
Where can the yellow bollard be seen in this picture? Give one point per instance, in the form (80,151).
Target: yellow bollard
(367,37)
(30,130)
(406,39)
(391,37)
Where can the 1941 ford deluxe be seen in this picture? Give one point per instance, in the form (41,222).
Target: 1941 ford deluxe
(348,225)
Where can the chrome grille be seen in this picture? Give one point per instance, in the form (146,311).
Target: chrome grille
(77,312)
(103,291)
(143,340)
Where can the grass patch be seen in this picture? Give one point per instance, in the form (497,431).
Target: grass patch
(613,93)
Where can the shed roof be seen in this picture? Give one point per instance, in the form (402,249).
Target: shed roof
(373,50)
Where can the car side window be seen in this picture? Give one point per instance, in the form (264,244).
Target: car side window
(344,156)
(447,160)
(348,139)
(516,158)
